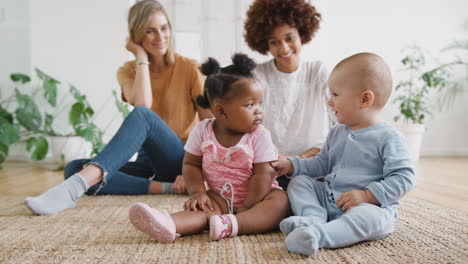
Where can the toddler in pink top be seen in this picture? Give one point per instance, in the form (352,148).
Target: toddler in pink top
(232,153)
(228,169)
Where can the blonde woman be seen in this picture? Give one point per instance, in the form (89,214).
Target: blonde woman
(162,86)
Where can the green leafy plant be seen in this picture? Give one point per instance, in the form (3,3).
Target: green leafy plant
(21,118)
(121,106)
(414,94)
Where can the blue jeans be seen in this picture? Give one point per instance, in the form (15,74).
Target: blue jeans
(160,156)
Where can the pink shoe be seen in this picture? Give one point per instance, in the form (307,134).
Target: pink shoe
(219,226)
(157,224)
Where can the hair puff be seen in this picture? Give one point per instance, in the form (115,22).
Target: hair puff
(243,63)
(210,67)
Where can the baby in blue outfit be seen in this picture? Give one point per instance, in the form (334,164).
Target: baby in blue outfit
(364,160)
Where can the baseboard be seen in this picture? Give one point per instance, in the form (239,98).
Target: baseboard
(461,152)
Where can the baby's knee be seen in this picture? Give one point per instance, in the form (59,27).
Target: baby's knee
(297,182)
(302,183)
(279,201)
(299,179)
(281,197)
(378,221)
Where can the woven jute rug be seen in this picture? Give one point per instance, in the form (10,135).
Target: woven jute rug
(98,231)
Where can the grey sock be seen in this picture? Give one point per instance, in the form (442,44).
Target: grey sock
(303,240)
(60,197)
(167,188)
(289,224)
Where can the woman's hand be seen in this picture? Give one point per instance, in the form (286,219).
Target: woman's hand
(199,201)
(136,49)
(282,166)
(309,153)
(179,185)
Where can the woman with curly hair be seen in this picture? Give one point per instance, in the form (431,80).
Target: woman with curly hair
(295,89)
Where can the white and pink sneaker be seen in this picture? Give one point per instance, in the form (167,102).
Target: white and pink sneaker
(155,223)
(219,226)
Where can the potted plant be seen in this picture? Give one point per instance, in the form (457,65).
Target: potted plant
(21,119)
(423,84)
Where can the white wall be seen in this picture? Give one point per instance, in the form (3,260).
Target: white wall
(82,42)
(385,27)
(15,41)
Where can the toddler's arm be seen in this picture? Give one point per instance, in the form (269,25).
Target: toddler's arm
(194,180)
(259,183)
(397,172)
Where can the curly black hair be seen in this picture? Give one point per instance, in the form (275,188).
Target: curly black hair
(264,16)
(219,80)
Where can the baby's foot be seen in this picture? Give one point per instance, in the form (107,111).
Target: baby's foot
(222,226)
(293,222)
(155,223)
(60,197)
(303,240)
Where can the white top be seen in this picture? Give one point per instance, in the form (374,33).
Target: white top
(295,105)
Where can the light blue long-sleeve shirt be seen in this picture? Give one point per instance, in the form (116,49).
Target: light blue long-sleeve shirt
(374,158)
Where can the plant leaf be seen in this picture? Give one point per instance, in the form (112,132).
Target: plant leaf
(30,143)
(19,77)
(9,133)
(39,147)
(49,119)
(77,95)
(50,91)
(75,113)
(3,153)
(27,113)
(121,106)
(6,115)
(49,85)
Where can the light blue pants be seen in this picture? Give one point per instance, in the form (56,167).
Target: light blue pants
(310,199)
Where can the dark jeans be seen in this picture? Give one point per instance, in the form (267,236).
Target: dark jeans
(161,155)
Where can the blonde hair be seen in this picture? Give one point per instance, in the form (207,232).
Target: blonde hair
(137,19)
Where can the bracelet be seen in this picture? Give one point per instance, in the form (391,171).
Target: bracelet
(142,63)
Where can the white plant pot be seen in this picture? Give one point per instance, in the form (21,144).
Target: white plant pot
(414,134)
(70,147)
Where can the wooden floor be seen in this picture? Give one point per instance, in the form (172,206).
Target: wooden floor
(443,181)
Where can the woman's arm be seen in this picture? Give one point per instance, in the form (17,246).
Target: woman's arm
(309,153)
(139,91)
(259,184)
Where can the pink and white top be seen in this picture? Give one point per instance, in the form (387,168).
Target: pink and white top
(230,167)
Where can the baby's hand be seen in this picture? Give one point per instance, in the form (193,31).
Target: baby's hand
(282,166)
(353,198)
(199,200)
